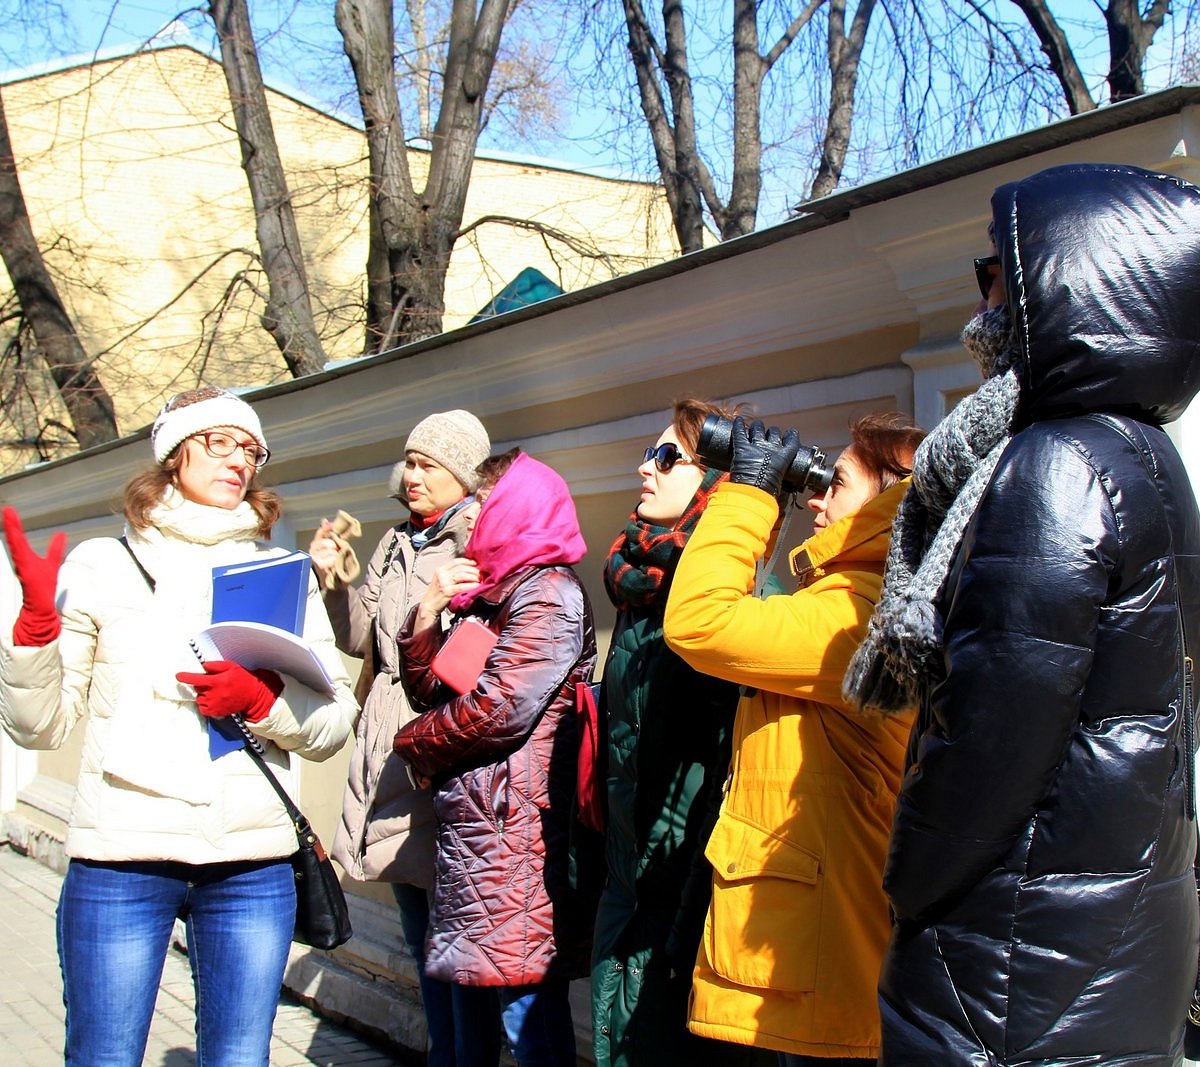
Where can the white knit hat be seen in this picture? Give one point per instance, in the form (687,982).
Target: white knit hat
(455,439)
(182,416)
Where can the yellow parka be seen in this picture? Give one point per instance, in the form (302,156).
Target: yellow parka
(798,923)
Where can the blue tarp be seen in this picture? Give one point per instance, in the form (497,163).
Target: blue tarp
(528,287)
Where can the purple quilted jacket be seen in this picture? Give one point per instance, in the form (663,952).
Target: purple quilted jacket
(502,759)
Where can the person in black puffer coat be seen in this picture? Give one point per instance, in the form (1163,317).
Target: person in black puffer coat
(1043,577)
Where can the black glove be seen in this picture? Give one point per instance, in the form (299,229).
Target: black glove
(761,457)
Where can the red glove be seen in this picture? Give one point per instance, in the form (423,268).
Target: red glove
(38,623)
(227,688)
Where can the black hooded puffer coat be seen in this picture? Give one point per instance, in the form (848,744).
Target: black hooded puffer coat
(1040,866)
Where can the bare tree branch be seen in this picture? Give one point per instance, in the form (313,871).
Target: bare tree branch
(576,244)
(74,374)
(792,32)
(1130,34)
(288,314)
(1058,51)
(845,54)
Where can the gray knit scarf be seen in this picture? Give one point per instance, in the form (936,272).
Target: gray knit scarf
(951,470)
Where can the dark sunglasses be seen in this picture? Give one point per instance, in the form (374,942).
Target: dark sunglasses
(986,269)
(666,456)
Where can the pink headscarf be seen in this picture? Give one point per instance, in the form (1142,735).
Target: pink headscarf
(528,520)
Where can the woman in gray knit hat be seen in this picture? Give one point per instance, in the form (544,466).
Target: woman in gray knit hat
(386,833)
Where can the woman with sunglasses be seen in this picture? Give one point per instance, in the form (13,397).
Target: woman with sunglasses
(161,828)
(668,751)
(798,922)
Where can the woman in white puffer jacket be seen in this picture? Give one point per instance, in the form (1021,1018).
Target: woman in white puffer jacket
(161,829)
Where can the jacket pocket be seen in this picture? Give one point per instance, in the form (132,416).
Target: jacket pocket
(500,795)
(763,926)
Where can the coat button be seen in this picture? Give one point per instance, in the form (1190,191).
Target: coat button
(731,869)
(618,966)
(604,1030)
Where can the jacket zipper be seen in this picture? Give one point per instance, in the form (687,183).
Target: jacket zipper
(1189,733)
(500,803)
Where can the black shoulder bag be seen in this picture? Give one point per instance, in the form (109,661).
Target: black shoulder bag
(322,917)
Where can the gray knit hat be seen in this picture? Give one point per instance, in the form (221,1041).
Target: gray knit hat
(455,439)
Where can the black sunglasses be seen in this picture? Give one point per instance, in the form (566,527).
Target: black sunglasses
(666,456)
(986,269)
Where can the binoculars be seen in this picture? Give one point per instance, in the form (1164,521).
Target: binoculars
(808,472)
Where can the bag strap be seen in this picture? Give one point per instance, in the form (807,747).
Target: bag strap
(255,751)
(138,563)
(254,747)
(764,568)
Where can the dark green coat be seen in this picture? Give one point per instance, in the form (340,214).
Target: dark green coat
(668,755)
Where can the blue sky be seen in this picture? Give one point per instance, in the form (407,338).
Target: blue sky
(305,57)
(86,27)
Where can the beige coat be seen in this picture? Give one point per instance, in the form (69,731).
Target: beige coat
(387,828)
(148,789)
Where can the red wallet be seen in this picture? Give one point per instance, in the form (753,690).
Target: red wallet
(460,660)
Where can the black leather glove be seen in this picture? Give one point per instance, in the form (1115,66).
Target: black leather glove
(761,456)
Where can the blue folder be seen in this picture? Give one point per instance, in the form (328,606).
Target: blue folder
(271,590)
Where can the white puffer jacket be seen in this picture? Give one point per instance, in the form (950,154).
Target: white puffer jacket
(148,788)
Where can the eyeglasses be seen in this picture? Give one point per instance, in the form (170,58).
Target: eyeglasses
(986,269)
(221,446)
(666,456)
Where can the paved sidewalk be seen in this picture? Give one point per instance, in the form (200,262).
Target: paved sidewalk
(31,1008)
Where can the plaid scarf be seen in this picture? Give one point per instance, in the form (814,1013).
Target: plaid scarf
(641,562)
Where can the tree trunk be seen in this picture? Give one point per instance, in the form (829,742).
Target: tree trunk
(368,33)
(685,176)
(690,168)
(423,66)
(1129,37)
(1058,52)
(674,138)
(845,53)
(748,71)
(418,230)
(288,315)
(86,399)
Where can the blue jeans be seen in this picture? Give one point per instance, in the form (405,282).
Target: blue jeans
(463,1021)
(114,929)
(537,1020)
